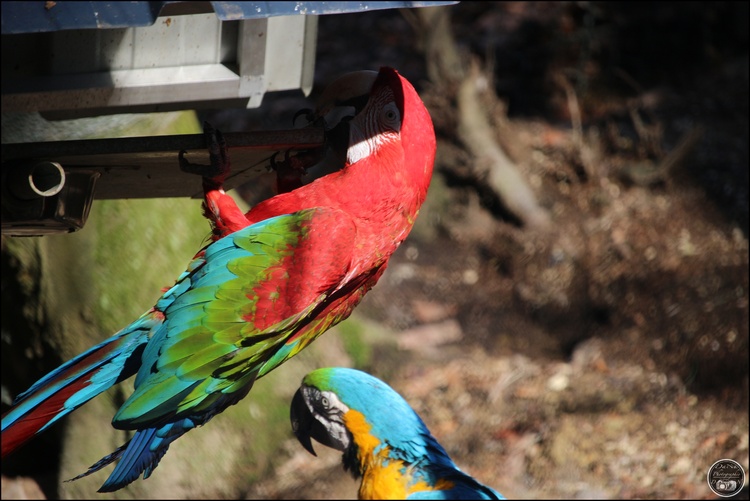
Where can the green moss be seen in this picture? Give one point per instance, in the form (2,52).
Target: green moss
(353,333)
(143,246)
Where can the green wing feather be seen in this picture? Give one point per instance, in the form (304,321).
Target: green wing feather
(238,304)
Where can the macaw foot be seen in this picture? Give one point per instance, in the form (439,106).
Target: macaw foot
(288,173)
(220,166)
(291,170)
(308,113)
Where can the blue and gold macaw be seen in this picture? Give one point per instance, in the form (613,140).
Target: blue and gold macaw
(383,440)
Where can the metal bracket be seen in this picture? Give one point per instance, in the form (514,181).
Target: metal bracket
(48,187)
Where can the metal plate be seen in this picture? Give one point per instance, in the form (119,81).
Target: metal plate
(38,16)
(148,167)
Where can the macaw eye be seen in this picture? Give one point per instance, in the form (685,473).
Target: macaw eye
(324,402)
(391,117)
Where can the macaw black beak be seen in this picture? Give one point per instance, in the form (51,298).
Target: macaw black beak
(302,421)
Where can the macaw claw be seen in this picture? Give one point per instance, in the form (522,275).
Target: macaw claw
(217,151)
(308,113)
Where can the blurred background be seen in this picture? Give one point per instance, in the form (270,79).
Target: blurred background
(569,315)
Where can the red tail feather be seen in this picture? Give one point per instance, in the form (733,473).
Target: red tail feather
(24,429)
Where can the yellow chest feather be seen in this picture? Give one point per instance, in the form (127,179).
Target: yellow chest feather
(382,477)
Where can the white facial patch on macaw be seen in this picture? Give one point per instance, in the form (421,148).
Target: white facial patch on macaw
(368,131)
(331,405)
(329,410)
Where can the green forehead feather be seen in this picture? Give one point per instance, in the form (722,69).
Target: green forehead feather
(319,378)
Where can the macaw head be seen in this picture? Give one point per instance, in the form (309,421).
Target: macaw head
(343,98)
(358,414)
(339,102)
(366,113)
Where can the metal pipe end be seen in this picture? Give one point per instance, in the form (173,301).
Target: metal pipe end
(39,180)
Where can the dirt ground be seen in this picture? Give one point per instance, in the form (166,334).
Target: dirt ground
(606,355)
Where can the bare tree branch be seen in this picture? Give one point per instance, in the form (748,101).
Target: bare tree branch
(446,69)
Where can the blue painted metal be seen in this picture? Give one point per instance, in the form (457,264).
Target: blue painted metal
(38,16)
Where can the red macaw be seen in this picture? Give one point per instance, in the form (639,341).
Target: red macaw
(270,283)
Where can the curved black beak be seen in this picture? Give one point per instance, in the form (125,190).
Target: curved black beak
(302,421)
